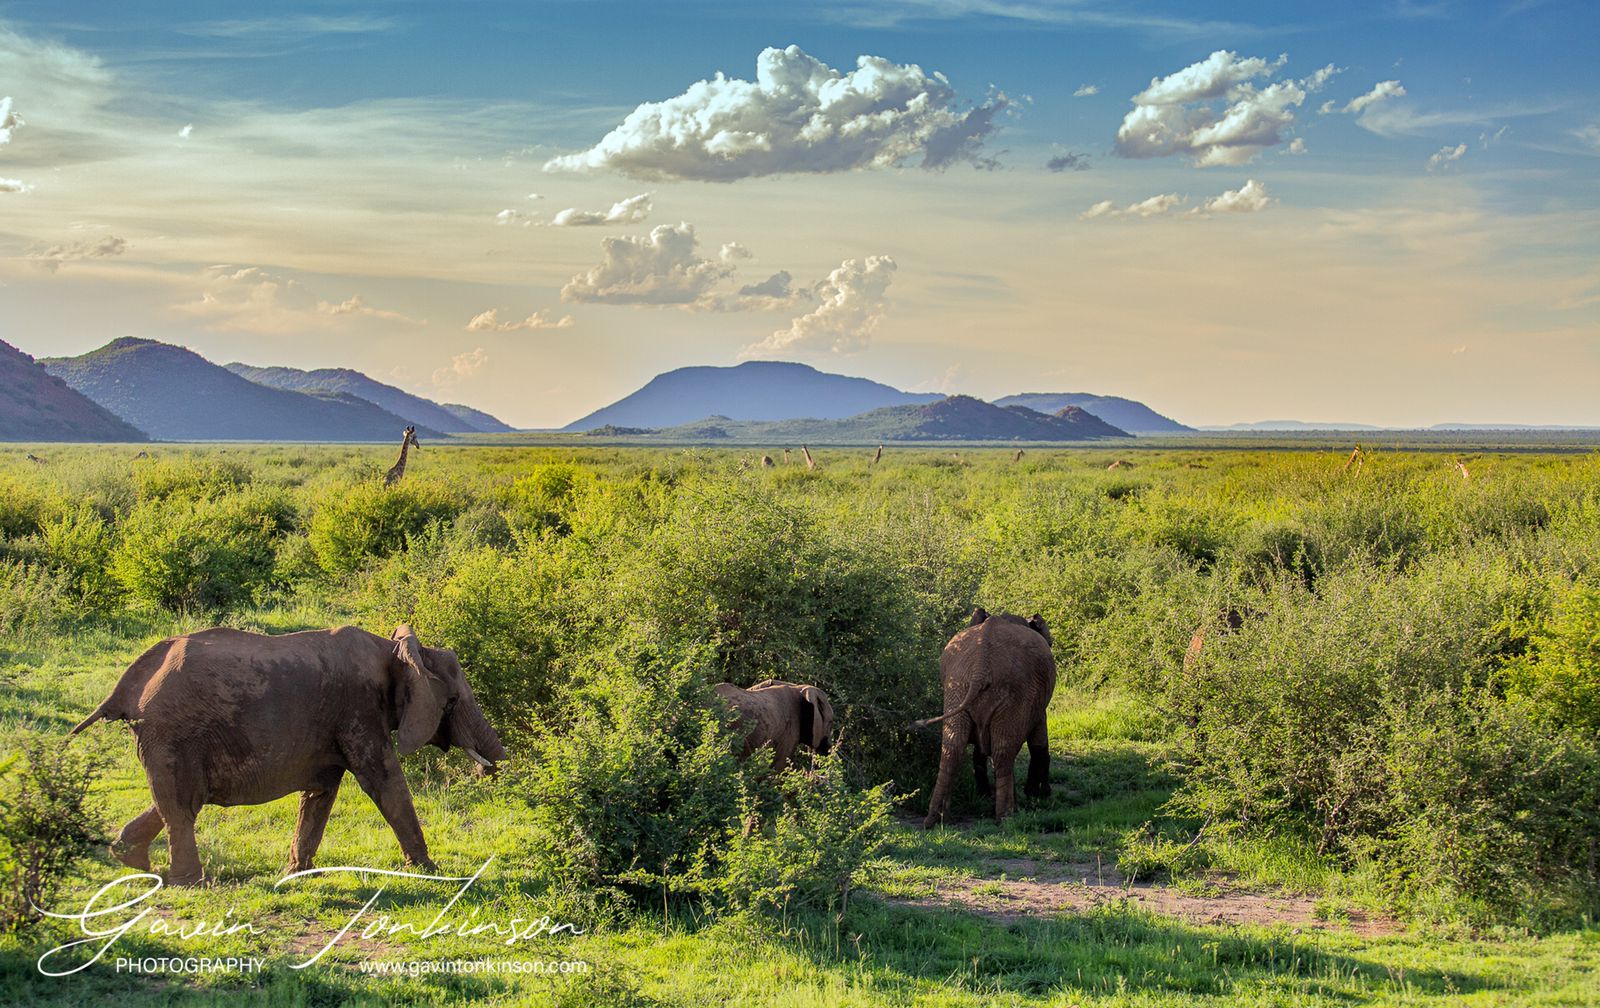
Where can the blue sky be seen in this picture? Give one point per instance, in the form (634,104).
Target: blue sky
(1407,236)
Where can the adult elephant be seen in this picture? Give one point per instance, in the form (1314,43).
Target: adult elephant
(225,717)
(999,675)
(780,715)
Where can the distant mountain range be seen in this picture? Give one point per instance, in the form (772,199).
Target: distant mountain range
(37,406)
(1130,415)
(174,394)
(754,390)
(956,418)
(411,408)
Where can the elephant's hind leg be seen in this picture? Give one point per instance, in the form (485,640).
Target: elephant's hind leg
(953,741)
(1038,785)
(185,868)
(1005,786)
(315,807)
(132,845)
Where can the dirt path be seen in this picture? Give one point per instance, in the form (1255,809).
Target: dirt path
(1035,889)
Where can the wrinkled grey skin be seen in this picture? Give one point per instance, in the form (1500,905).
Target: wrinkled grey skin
(780,715)
(998,675)
(225,717)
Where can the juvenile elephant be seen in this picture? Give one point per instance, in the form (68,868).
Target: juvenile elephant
(999,675)
(781,715)
(225,717)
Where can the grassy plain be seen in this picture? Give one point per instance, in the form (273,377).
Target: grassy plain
(965,915)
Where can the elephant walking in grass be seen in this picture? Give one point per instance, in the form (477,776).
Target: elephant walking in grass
(998,675)
(780,715)
(225,717)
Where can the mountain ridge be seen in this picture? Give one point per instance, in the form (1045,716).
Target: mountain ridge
(174,394)
(38,406)
(409,406)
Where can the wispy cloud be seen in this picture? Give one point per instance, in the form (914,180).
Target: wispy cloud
(289,26)
(1065,13)
(629,211)
(489,321)
(106,248)
(1445,157)
(1068,161)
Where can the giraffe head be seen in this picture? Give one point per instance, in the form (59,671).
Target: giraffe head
(410,438)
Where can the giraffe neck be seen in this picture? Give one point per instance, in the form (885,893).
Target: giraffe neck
(399,468)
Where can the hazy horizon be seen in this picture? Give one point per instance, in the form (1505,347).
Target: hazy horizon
(1227,212)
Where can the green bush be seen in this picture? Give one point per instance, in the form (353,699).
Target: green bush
(367,521)
(46,825)
(201,554)
(79,545)
(33,598)
(1559,676)
(814,850)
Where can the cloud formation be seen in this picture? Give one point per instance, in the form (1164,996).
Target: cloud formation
(9,120)
(1212,112)
(1155,206)
(489,321)
(1086,90)
(798,116)
(853,300)
(662,268)
(1249,198)
(251,299)
(1380,91)
(461,367)
(11,185)
(52,257)
(1068,162)
(1446,156)
(629,211)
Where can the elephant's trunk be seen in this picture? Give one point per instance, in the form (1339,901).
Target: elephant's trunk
(470,730)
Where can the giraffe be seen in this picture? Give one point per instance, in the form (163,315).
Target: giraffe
(766,461)
(408,439)
(878,456)
(1018,456)
(1358,458)
(786,456)
(36,460)
(811,463)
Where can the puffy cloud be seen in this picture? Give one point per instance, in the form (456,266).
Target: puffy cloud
(9,120)
(251,299)
(1085,90)
(1320,78)
(489,321)
(52,257)
(1068,162)
(1155,206)
(509,217)
(1296,146)
(853,300)
(1248,198)
(798,115)
(1446,156)
(629,211)
(1211,111)
(462,366)
(356,306)
(1379,92)
(661,268)
(186,132)
(11,185)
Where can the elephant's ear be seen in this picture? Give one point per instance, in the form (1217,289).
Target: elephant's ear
(814,723)
(978,616)
(1037,624)
(421,706)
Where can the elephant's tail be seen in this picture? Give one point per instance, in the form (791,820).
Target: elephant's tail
(99,714)
(961,708)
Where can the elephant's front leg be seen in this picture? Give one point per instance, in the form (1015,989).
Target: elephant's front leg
(315,806)
(383,782)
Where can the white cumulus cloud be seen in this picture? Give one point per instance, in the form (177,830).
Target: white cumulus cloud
(1446,156)
(852,301)
(489,321)
(1379,92)
(11,185)
(1212,112)
(461,367)
(9,120)
(1155,206)
(1086,90)
(629,211)
(1248,198)
(662,268)
(798,116)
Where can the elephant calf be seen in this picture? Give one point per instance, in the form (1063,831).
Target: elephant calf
(225,717)
(998,675)
(780,715)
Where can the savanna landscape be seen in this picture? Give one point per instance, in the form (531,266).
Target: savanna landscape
(1324,731)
